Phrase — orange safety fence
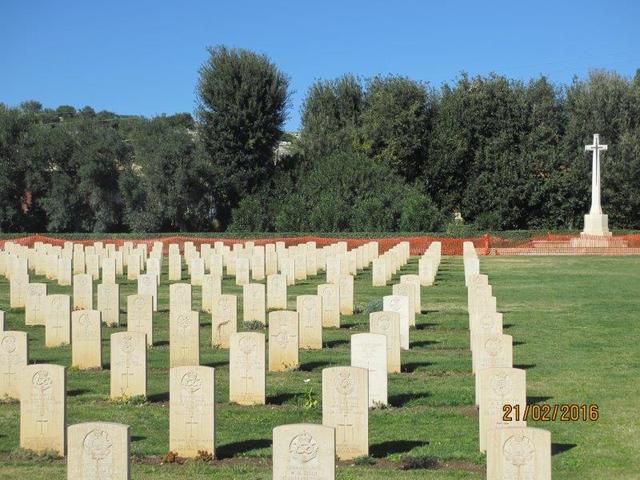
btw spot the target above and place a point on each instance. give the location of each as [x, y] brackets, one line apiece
[485, 245]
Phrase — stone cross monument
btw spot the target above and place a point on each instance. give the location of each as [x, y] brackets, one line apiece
[595, 222]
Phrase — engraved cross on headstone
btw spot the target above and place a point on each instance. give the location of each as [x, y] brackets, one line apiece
[344, 426]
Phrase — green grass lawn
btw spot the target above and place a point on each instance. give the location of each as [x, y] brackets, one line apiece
[574, 322]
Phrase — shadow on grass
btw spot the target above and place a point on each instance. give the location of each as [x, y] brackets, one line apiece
[77, 392]
[216, 364]
[402, 399]
[525, 366]
[425, 326]
[230, 450]
[310, 366]
[280, 398]
[137, 438]
[427, 311]
[335, 343]
[518, 342]
[161, 343]
[424, 343]
[384, 449]
[413, 366]
[507, 326]
[557, 448]
[158, 397]
[533, 400]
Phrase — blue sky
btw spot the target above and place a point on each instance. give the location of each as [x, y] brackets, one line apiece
[142, 57]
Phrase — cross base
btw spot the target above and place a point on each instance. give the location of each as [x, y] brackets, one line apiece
[596, 224]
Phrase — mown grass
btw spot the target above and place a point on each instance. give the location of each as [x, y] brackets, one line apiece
[575, 328]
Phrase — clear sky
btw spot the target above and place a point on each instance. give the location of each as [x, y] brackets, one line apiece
[142, 57]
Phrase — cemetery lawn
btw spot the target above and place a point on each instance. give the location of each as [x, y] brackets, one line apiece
[575, 328]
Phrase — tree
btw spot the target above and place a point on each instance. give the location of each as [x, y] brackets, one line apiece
[243, 99]
[13, 126]
[164, 188]
[331, 117]
[396, 124]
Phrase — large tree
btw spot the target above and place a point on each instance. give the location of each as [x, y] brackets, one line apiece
[396, 124]
[331, 117]
[243, 99]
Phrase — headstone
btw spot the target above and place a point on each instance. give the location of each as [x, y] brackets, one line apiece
[1, 321]
[34, 311]
[500, 387]
[175, 268]
[197, 271]
[179, 298]
[13, 357]
[330, 304]
[304, 451]
[388, 324]
[211, 290]
[118, 255]
[309, 308]
[184, 339]
[224, 320]
[345, 283]
[407, 290]
[288, 270]
[86, 339]
[17, 289]
[140, 315]
[247, 373]
[378, 273]
[276, 292]
[492, 351]
[345, 407]
[519, 453]
[109, 303]
[369, 351]
[333, 269]
[283, 340]
[400, 305]
[58, 323]
[65, 272]
[257, 265]
[242, 271]
[82, 292]
[489, 323]
[78, 259]
[154, 267]
[192, 411]
[270, 260]
[43, 408]
[133, 266]
[415, 281]
[216, 265]
[98, 451]
[147, 285]
[92, 265]
[128, 364]
[109, 270]
[253, 302]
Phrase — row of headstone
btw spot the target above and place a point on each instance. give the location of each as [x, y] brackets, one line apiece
[366, 379]
[385, 266]
[513, 450]
[97, 260]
